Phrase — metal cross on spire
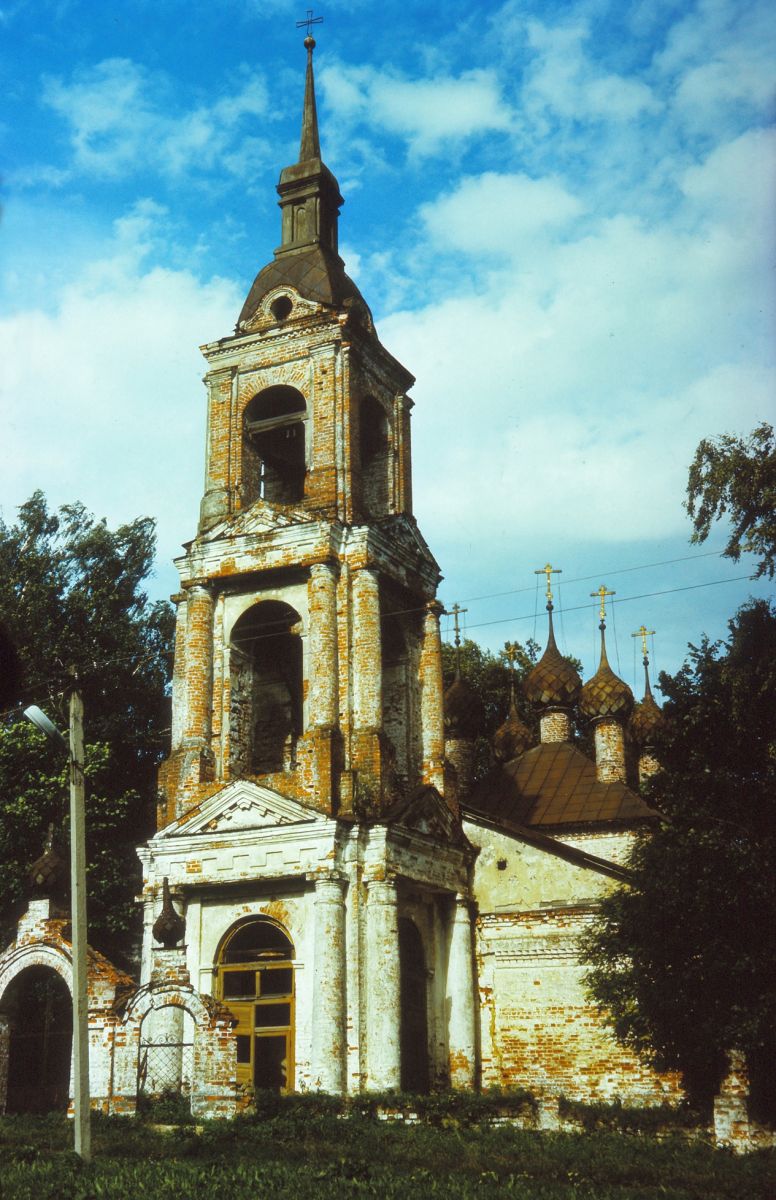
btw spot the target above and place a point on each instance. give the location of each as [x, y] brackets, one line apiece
[309, 21]
[456, 610]
[549, 571]
[602, 593]
[644, 633]
[510, 653]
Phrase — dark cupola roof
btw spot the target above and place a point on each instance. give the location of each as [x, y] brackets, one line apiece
[307, 259]
[553, 682]
[647, 717]
[513, 737]
[48, 875]
[169, 927]
[605, 695]
[463, 711]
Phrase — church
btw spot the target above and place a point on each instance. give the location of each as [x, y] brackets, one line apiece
[330, 902]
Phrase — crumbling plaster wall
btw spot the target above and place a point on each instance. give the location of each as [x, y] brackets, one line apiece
[538, 1028]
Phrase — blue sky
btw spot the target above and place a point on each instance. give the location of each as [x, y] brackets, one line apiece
[558, 212]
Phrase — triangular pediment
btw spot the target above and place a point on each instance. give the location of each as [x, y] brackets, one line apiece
[237, 807]
[428, 813]
[261, 518]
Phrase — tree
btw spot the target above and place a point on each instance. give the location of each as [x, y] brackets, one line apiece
[736, 476]
[71, 600]
[682, 959]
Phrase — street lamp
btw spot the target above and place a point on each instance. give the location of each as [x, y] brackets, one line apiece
[77, 909]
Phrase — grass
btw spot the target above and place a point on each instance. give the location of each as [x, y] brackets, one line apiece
[322, 1157]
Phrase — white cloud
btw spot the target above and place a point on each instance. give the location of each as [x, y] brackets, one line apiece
[102, 390]
[497, 214]
[123, 120]
[562, 78]
[429, 114]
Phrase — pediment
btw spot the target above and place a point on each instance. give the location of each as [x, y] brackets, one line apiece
[261, 518]
[237, 807]
[429, 814]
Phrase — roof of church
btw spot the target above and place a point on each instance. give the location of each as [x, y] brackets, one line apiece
[555, 784]
[317, 273]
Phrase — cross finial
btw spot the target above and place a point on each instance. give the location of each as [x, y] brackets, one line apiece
[602, 593]
[549, 571]
[643, 633]
[456, 610]
[309, 21]
[510, 653]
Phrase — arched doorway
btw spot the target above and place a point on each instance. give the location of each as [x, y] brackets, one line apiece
[414, 1011]
[39, 1012]
[255, 979]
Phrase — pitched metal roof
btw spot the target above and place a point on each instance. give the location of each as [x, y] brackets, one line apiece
[555, 784]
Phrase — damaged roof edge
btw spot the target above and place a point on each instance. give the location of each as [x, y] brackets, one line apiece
[542, 841]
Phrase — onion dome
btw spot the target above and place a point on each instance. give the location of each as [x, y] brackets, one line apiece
[463, 710]
[553, 682]
[168, 926]
[605, 695]
[647, 717]
[48, 875]
[512, 738]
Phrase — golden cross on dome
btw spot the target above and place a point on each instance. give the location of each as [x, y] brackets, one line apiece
[455, 610]
[643, 633]
[602, 593]
[549, 571]
[510, 653]
[309, 21]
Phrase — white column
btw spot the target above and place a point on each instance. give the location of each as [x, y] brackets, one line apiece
[329, 1031]
[384, 994]
[461, 1025]
[322, 668]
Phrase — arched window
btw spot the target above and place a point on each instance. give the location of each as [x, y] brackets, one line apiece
[266, 689]
[274, 459]
[375, 454]
[255, 979]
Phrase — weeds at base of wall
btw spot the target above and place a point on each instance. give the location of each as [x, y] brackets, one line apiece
[435, 1108]
[615, 1117]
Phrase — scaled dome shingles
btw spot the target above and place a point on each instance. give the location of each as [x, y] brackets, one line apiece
[646, 719]
[553, 682]
[605, 695]
[511, 738]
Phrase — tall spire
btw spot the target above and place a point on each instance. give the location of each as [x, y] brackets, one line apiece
[310, 146]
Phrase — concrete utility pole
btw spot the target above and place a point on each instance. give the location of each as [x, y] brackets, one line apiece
[81, 1100]
[83, 1139]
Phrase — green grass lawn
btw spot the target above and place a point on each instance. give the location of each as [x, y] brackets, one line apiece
[305, 1156]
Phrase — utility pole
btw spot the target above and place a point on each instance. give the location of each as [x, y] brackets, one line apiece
[83, 1137]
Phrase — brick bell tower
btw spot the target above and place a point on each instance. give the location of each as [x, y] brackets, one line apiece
[307, 645]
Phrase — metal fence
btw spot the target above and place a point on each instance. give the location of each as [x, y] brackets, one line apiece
[165, 1067]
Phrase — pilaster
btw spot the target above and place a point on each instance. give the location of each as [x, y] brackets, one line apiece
[432, 698]
[383, 987]
[462, 1024]
[329, 1032]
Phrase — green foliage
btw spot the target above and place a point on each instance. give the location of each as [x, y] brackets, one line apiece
[682, 959]
[621, 1118]
[737, 477]
[71, 599]
[489, 676]
[331, 1157]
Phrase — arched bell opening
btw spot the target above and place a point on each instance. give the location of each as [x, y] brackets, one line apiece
[400, 640]
[255, 979]
[375, 457]
[266, 692]
[274, 450]
[413, 978]
[38, 1012]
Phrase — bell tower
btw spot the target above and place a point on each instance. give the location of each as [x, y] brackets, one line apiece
[307, 644]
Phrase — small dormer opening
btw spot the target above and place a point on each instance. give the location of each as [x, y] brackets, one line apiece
[274, 446]
[375, 454]
[266, 689]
